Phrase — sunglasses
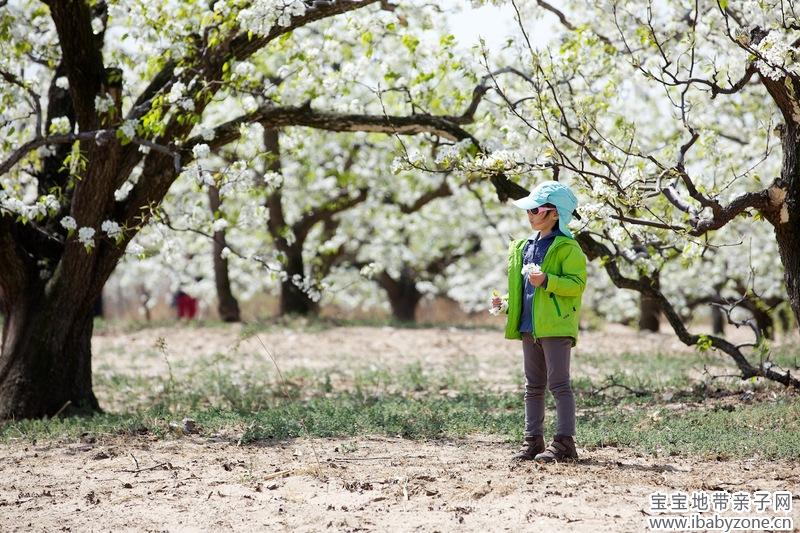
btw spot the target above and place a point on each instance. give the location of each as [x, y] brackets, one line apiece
[537, 210]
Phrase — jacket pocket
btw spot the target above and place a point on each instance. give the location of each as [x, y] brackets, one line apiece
[558, 307]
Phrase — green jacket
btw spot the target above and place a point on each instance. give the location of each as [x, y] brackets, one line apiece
[556, 307]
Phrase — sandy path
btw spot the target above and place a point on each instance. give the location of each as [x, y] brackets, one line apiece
[369, 484]
[482, 354]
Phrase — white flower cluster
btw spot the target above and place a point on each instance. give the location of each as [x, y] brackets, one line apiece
[86, 237]
[273, 179]
[177, 95]
[197, 174]
[206, 133]
[778, 53]
[692, 250]
[128, 129]
[176, 92]
[134, 249]
[263, 15]
[530, 268]
[60, 126]
[244, 70]
[201, 151]
[399, 164]
[219, 225]
[448, 156]
[249, 104]
[111, 228]
[595, 210]
[68, 223]
[123, 191]
[495, 311]
[309, 286]
[103, 104]
[500, 160]
[370, 270]
[617, 234]
[44, 205]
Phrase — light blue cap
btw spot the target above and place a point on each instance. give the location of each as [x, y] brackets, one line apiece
[552, 192]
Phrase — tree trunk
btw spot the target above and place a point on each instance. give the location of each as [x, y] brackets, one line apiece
[404, 307]
[227, 305]
[717, 321]
[649, 313]
[787, 233]
[294, 300]
[45, 362]
[785, 193]
[785, 319]
[403, 294]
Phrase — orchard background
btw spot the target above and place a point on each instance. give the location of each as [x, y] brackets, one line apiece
[330, 180]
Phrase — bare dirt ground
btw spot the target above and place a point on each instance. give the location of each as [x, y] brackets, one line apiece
[368, 484]
[484, 353]
[371, 483]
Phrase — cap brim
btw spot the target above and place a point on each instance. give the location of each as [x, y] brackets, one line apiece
[526, 203]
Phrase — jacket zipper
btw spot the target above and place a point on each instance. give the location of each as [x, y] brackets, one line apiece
[533, 315]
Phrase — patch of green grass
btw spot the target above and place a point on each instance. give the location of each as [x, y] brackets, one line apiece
[767, 429]
[105, 327]
[628, 406]
[770, 430]
[306, 324]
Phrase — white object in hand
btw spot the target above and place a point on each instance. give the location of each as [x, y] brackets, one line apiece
[503, 304]
[530, 268]
[497, 310]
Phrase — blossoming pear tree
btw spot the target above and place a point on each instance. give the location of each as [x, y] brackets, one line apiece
[103, 108]
[672, 120]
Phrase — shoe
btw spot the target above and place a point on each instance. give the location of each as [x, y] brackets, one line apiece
[561, 449]
[530, 447]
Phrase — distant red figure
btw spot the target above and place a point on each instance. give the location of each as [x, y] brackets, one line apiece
[187, 305]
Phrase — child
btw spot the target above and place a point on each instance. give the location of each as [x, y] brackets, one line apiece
[546, 278]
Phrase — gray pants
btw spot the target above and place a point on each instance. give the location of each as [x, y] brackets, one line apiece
[546, 363]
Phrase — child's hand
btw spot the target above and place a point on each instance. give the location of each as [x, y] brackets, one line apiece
[499, 305]
[537, 278]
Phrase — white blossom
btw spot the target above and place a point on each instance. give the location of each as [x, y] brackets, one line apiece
[201, 150]
[219, 225]
[123, 191]
[249, 104]
[128, 129]
[111, 228]
[206, 133]
[103, 103]
[69, 223]
[60, 125]
[86, 236]
[176, 92]
[369, 270]
[530, 268]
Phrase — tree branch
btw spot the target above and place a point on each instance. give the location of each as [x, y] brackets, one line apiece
[273, 117]
[243, 46]
[18, 154]
[595, 249]
[82, 57]
[340, 203]
[442, 191]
